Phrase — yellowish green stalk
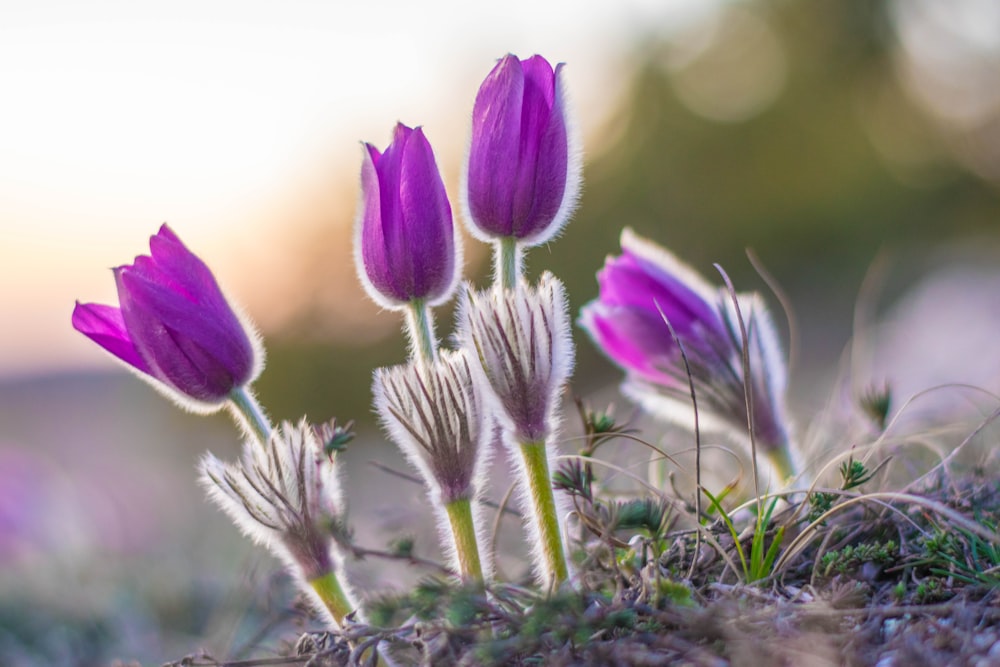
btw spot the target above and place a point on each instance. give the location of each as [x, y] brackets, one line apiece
[464, 533]
[543, 504]
[329, 590]
[781, 460]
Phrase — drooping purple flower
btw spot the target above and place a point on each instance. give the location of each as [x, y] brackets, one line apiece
[404, 244]
[523, 173]
[646, 285]
[174, 326]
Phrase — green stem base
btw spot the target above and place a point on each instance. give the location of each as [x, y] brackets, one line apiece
[330, 592]
[543, 503]
[781, 460]
[464, 533]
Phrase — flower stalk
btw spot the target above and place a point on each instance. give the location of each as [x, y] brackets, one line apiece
[420, 331]
[464, 534]
[508, 262]
[432, 410]
[249, 414]
[522, 342]
[330, 593]
[543, 505]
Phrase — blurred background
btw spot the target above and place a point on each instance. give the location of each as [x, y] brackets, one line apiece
[837, 140]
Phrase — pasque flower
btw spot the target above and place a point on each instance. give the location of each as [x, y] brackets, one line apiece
[287, 497]
[434, 413]
[522, 341]
[404, 246]
[523, 173]
[646, 285]
[174, 326]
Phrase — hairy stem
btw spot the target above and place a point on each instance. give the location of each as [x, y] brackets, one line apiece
[507, 262]
[330, 592]
[464, 533]
[543, 505]
[420, 331]
[249, 414]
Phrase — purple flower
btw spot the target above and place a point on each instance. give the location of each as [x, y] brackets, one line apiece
[404, 243]
[523, 173]
[646, 285]
[175, 327]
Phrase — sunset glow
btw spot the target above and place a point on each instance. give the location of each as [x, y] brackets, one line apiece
[234, 122]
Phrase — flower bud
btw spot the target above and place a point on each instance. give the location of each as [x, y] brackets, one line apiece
[433, 412]
[522, 178]
[174, 326]
[404, 243]
[286, 496]
[523, 342]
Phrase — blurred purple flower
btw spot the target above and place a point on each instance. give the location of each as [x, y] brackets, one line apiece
[404, 242]
[646, 285]
[523, 173]
[175, 326]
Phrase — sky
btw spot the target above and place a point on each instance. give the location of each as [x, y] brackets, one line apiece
[214, 116]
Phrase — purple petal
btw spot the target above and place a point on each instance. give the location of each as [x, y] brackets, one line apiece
[174, 324]
[203, 352]
[633, 339]
[104, 325]
[519, 163]
[184, 269]
[631, 281]
[374, 255]
[389, 168]
[430, 243]
[494, 154]
[551, 162]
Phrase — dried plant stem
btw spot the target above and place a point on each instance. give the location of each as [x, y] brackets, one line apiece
[248, 413]
[330, 592]
[464, 533]
[543, 506]
[420, 331]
